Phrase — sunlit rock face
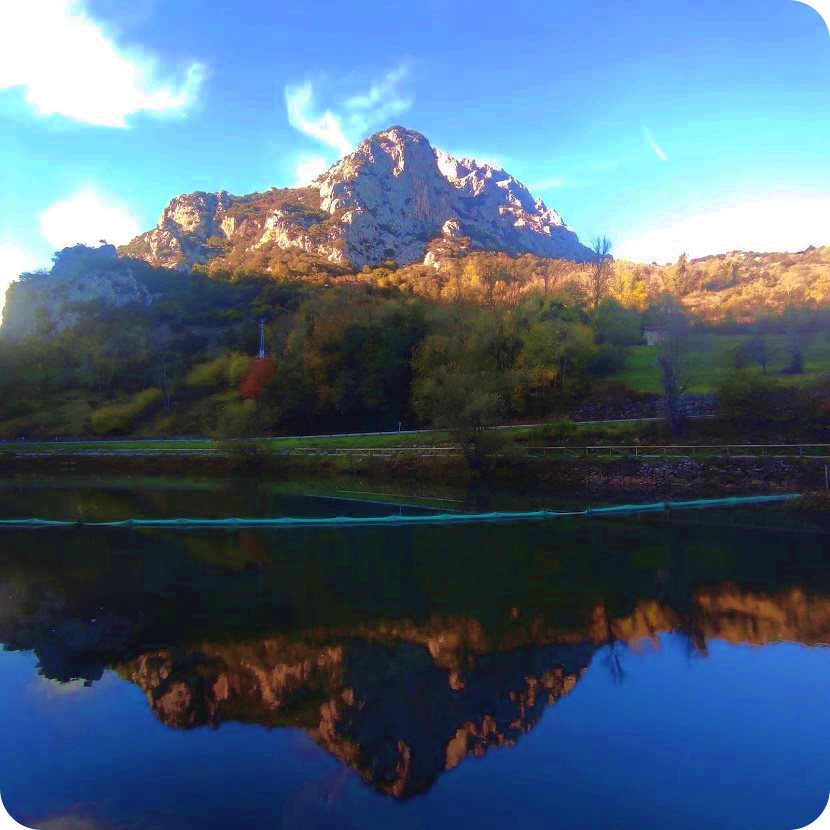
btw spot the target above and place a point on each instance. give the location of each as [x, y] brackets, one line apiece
[186, 225]
[388, 200]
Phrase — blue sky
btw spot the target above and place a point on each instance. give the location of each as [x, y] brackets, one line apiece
[672, 125]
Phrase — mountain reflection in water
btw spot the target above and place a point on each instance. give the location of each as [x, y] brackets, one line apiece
[400, 651]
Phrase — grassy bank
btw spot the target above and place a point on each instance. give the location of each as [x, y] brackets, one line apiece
[711, 358]
[510, 442]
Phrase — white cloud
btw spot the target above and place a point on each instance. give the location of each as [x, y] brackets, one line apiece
[67, 65]
[341, 127]
[87, 216]
[658, 150]
[774, 223]
[309, 168]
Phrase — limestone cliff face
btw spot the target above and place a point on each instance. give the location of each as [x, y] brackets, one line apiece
[389, 199]
[82, 278]
[186, 224]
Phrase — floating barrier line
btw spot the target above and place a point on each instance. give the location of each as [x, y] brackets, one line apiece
[395, 519]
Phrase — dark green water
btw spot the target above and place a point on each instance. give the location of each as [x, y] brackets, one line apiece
[576, 673]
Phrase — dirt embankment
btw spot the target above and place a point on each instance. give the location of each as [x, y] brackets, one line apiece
[664, 477]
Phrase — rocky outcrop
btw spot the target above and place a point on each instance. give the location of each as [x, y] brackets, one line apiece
[82, 278]
[185, 228]
[628, 407]
[649, 477]
[394, 198]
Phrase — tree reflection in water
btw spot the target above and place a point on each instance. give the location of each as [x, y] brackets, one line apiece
[401, 651]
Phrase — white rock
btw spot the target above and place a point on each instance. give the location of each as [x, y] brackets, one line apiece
[388, 199]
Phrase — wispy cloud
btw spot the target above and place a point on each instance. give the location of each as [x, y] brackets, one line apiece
[325, 126]
[382, 101]
[658, 150]
[495, 161]
[786, 222]
[68, 65]
[87, 216]
[551, 183]
[341, 126]
[308, 168]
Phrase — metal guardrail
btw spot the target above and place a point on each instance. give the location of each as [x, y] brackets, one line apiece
[636, 451]
[384, 452]
[688, 451]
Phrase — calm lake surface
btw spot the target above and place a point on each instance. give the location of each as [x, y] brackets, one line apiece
[648, 672]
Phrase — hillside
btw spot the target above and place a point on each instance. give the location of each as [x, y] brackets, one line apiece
[744, 284]
[739, 287]
[403, 286]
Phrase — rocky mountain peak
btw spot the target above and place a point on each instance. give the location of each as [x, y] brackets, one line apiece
[389, 199]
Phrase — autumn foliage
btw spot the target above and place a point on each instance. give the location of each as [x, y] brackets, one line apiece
[260, 374]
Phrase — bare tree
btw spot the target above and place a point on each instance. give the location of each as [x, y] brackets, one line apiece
[600, 268]
[674, 372]
[755, 351]
[552, 272]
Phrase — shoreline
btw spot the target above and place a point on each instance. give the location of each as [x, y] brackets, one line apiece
[660, 478]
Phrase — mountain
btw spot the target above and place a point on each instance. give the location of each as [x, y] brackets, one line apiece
[392, 199]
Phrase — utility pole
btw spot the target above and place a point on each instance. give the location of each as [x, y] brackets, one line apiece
[261, 338]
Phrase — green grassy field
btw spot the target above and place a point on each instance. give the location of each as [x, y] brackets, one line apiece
[711, 357]
[424, 439]
[563, 432]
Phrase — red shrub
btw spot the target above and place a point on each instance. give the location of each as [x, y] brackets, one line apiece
[259, 376]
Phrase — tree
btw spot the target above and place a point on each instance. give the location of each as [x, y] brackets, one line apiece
[795, 346]
[466, 404]
[600, 268]
[679, 276]
[755, 351]
[458, 388]
[751, 400]
[552, 272]
[675, 379]
[615, 324]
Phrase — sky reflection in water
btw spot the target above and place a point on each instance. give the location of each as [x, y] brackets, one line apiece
[616, 674]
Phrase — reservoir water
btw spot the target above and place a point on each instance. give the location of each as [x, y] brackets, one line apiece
[641, 672]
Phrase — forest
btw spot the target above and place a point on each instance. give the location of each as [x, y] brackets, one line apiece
[478, 341]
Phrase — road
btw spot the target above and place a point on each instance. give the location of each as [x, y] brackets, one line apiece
[199, 438]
